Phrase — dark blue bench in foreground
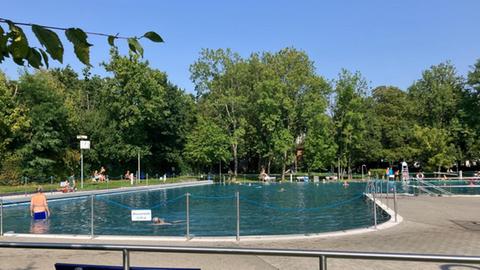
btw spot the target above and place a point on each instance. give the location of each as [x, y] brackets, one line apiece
[68, 266]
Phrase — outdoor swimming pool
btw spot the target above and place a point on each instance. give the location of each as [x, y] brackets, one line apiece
[275, 209]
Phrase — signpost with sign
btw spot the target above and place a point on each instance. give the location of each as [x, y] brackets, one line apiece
[84, 144]
[142, 215]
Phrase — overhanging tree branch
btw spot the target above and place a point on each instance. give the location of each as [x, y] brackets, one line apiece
[14, 43]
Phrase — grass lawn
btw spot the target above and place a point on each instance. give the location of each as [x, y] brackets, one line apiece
[88, 185]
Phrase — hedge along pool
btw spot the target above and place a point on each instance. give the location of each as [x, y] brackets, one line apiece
[275, 209]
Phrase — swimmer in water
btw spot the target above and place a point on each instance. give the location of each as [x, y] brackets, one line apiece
[281, 190]
[345, 184]
[160, 221]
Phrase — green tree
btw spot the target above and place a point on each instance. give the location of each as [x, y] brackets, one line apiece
[218, 76]
[436, 99]
[435, 147]
[394, 122]
[207, 144]
[349, 119]
[469, 114]
[45, 148]
[319, 144]
[436, 96]
[14, 125]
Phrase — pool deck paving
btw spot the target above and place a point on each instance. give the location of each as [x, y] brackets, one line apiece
[431, 225]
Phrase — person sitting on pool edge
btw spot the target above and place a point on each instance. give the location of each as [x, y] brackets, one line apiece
[38, 205]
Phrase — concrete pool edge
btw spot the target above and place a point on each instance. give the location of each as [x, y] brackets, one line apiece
[385, 225]
[123, 190]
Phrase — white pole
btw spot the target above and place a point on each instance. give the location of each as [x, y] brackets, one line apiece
[81, 167]
[138, 166]
[237, 194]
[188, 215]
[374, 209]
[395, 202]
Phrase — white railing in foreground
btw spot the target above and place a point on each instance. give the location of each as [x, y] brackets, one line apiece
[322, 255]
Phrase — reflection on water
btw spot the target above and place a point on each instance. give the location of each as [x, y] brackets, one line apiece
[39, 226]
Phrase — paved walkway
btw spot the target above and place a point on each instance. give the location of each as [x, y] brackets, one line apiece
[433, 225]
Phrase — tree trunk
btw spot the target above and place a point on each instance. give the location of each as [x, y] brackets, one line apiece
[349, 167]
[338, 168]
[269, 163]
[284, 165]
[220, 170]
[235, 161]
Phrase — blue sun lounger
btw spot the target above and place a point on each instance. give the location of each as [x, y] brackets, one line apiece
[69, 266]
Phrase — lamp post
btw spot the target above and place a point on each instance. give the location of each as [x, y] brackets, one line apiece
[84, 144]
[363, 165]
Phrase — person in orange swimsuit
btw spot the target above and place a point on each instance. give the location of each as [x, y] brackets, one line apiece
[38, 205]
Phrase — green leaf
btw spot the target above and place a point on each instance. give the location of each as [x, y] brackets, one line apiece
[77, 36]
[19, 44]
[135, 46]
[111, 40]
[34, 58]
[18, 61]
[50, 41]
[3, 44]
[153, 36]
[83, 54]
[45, 57]
[80, 44]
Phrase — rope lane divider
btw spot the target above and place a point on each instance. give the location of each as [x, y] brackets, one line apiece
[133, 208]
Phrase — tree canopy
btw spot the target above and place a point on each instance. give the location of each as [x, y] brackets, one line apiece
[268, 109]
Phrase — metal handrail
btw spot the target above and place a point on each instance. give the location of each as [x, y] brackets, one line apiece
[321, 254]
[430, 185]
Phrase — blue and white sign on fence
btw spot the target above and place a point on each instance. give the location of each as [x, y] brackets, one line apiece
[142, 215]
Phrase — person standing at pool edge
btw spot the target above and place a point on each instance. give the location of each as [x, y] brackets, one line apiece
[38, 205]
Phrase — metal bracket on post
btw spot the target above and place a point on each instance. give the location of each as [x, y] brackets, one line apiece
[91, 218]
[1, 217]
[386, 198]
[237, 195]
[187, 195]
[126, 259]
[395, 202]
[322, 263]
[374, 209]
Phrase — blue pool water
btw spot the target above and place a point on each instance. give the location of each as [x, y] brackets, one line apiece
[275, 209]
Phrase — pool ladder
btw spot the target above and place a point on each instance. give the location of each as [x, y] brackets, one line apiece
[427, 185]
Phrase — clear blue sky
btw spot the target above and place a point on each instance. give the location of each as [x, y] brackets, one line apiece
[390, 42]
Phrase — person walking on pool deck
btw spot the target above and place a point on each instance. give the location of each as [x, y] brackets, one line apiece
[39, 206]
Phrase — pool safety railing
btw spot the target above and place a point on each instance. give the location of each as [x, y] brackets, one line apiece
[377, 189]
[321, 255]
[429, 188]
[432, 186]
[236, 199]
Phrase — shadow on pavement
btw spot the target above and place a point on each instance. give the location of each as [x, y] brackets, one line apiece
[458, 266]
